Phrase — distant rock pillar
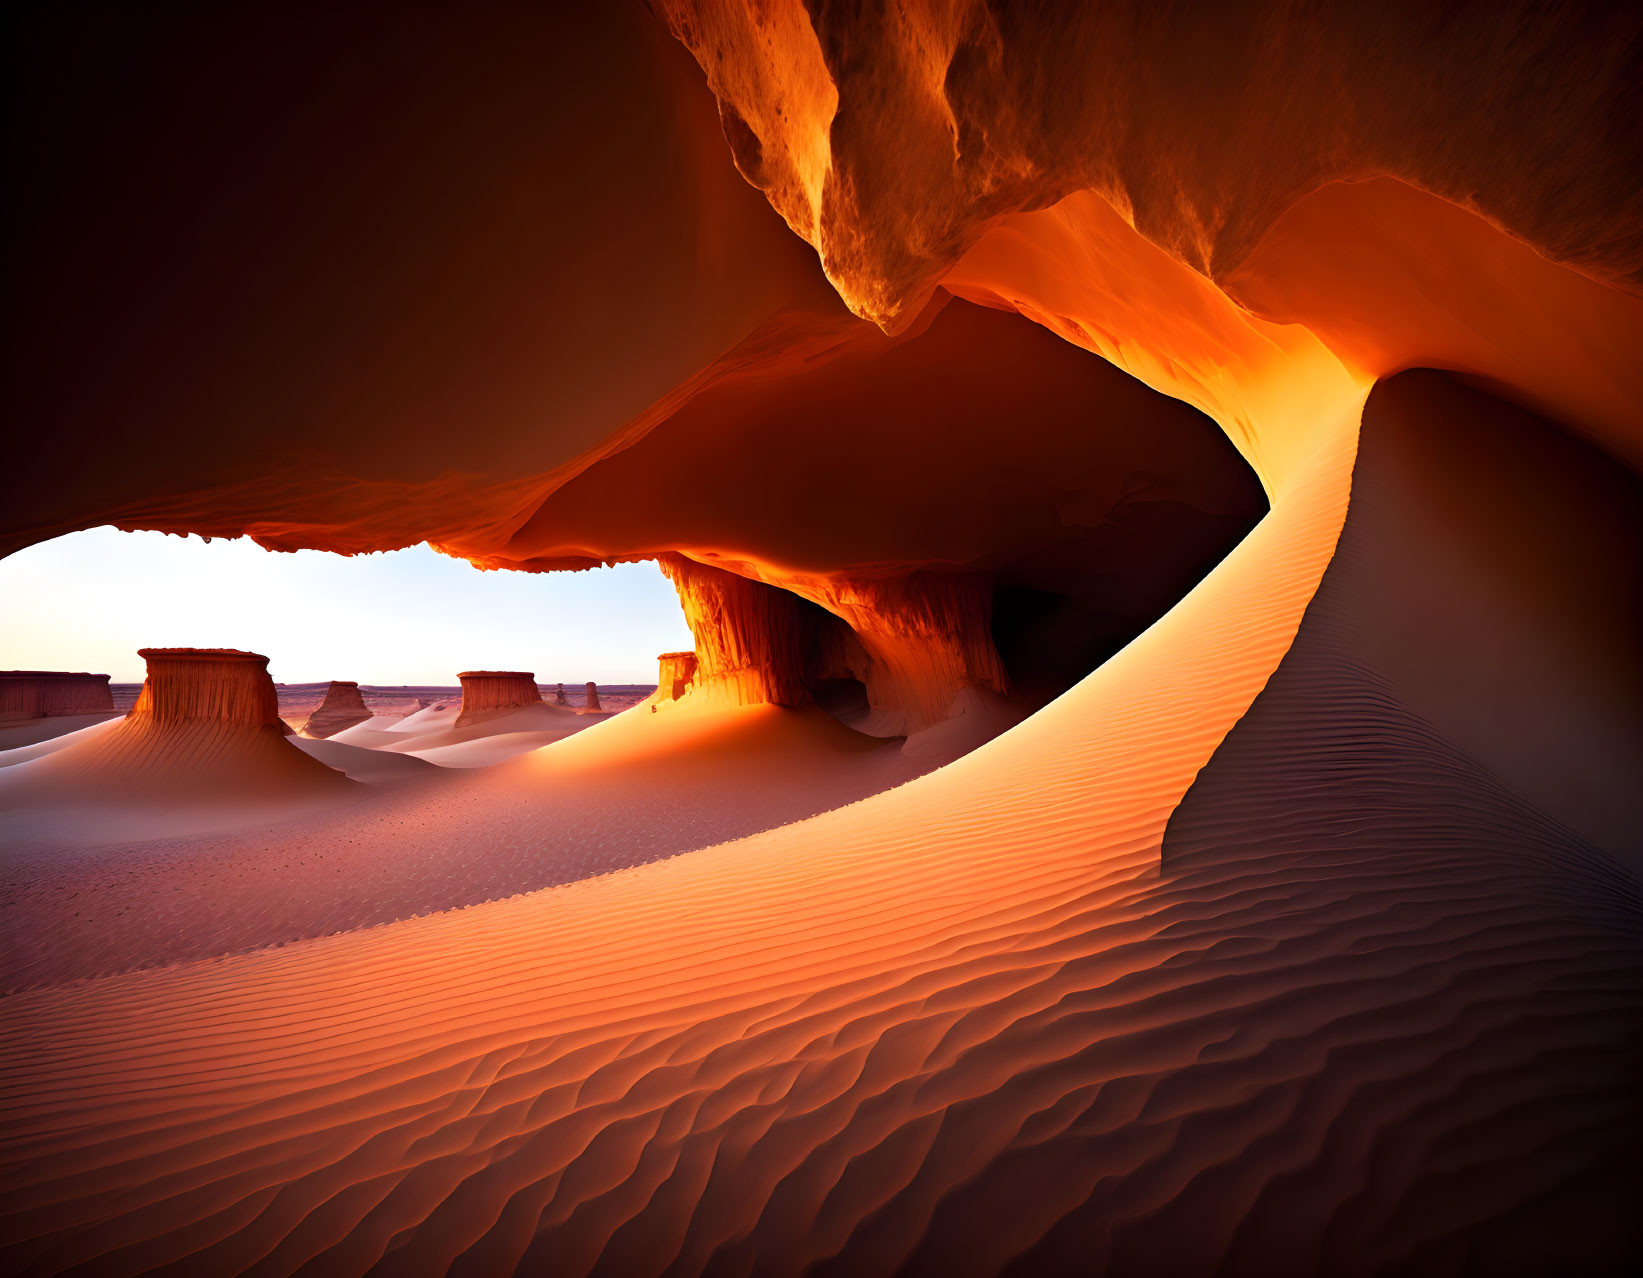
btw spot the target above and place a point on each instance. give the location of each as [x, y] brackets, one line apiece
[593, 695]
[342, 708]
[488, 693]
[33, 694]
[676, 671]
[559, 696]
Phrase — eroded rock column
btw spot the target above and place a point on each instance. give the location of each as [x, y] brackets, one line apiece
[927, 638]
[206, 727]
[34, 694]
[342, 708]
[751, 641]
[675, 673]
[223, 685]
[488, 693]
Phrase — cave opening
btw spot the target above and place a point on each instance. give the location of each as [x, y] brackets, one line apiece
[1057, 618]
[1076, 572]
[975, 506]
[346, 636]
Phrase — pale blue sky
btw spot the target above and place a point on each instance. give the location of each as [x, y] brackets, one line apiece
[89, 600]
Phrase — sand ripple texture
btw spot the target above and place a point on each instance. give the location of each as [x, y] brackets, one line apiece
[966, 1027]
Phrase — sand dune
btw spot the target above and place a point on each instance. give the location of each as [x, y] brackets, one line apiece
[422, 720]
[38, 737]
[482, 752]
[28, 732]
[441, 737]
[360, 764]
[204, 748]
[545, 722]
[635, 789]
[589, 1052]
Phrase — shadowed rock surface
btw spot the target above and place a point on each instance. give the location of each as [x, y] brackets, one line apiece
[32, 694]
[343, 707]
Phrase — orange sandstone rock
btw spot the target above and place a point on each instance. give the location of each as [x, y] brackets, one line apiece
[751, 639]
[1077, 513]
[342, 708]
[32, 694]
[1260, 212]
[591, 697]
[675, 673]
[205, 728]
[488, 693]
[890, 144]
[222, 685]
[915, 642]
[542, 271]
[927, 638]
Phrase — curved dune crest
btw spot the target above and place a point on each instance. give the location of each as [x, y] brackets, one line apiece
[359, 763]
[76, 728]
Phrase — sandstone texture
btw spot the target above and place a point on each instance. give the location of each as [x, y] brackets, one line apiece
[675, 673]
[487, 693]
[342, 708]
[32, 694]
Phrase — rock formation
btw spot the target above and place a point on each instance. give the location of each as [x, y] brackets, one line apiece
[751, 639]
[206, 727]
[488, 693]
[32, 694]
[675, 673]
[591, 697]
[1146, 496]
[342, 708]
[927, 638]
[219, 685]
[238, 247]
[559, 695]
[841, 116]
[1112, 224]
[915, 642]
